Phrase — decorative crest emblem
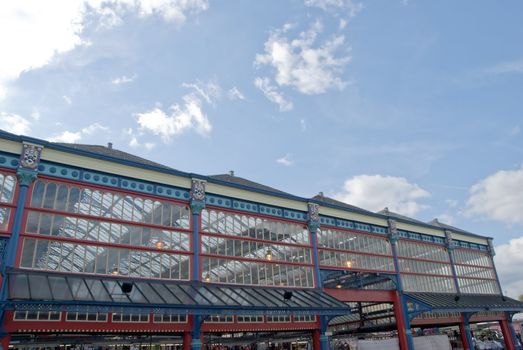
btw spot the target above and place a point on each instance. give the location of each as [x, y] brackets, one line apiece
[198, 190]
[30, 157]
[314, 212]
[393, 230]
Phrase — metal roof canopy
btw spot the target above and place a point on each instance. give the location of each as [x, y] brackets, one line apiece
[471, 303]
[49, 291]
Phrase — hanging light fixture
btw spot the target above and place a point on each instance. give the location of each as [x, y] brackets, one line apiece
[159, 245]
[207, 278]
[115, 271]
[348, 263]
[268, 255]
[338, 284]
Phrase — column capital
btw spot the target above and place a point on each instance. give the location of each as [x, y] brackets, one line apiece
[197, 195]
[26, 176]
[313, 216]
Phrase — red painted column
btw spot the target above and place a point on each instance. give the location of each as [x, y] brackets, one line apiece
[187, 338]
[6, 339]
[463, 335]
[316, 345]
[400, 322]
[507, 335]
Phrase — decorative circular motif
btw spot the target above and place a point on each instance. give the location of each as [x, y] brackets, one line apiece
[63, 172]
[96, 178]
[2, 160]
[52, 170]
[87, 176]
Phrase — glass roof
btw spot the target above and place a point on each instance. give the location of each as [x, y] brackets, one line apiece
[54, 291]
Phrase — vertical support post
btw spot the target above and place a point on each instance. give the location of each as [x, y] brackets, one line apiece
[314, 225]
[196, 342]
[400, 322]
[26, 174]
[510, 341]
[186, 345]
[4, 341]
[400, 306]
[316, 345]
[465, 333]
[197, 205]
[450, 251]
[517, 344]
[324, 338]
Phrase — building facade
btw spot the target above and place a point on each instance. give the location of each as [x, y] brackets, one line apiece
[97, 241]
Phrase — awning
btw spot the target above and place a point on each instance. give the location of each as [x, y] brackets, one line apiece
[439, 302]
[29, 290]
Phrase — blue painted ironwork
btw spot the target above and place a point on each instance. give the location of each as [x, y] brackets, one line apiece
[3, 249]
[324, 338]
[314, 225]
[197, 205]
[196, 343]
[468, 332]
[450, 251]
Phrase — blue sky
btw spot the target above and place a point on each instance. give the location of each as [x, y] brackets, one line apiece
[413, 105]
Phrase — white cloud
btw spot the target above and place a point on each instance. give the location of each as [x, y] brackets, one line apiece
[182, 118]
[498, 197]
[375, 192]
[271, 92]
[507, 67]
[209, 91]
[35, 114]
[343, 24]
[95, 127]
[47, 28]
[14, 123]
[446, 219]
[235, 94]
[508, 262]
[301, 64]
[67, 99]
[73, 137]
[134, 143]
[303, 124]
[67, 137]
[123, 80]
[335, 5]
[285, 160]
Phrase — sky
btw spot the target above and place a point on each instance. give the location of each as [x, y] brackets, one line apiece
[407, 104]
